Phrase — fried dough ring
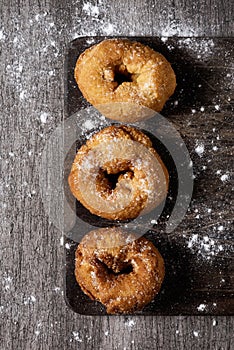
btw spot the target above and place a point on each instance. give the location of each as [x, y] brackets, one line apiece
[121, 271]
[125, 80]
[123, 152]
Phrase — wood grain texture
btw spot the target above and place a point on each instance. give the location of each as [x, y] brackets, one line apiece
[33, 38]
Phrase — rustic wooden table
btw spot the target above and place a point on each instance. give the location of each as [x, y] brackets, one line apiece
[33, 38]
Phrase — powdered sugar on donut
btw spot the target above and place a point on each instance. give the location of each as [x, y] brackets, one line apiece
[142, 181]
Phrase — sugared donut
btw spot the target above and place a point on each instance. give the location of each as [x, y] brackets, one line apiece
[121, 271]
[125, 80]
[118, 175]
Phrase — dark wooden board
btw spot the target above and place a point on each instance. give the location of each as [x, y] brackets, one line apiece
[202, 103]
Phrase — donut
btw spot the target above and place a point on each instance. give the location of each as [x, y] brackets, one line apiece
[127, 81]
[118, 175]
[118, 269]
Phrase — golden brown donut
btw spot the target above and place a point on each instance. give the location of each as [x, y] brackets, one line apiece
[118, 269]
[125, 80]
[118, 175]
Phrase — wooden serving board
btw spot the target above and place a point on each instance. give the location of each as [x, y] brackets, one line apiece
[199, 253]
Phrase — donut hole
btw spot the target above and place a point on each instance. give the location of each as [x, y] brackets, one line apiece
[122, 75]
[107, 180]
[113, 179]
[125, 269]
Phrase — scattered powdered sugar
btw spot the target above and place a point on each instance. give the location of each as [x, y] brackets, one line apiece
[57, 289]
[7, 282]
[43, 117]
[29, 300]
[89, 121]
[92, 21]
[179, 29]
[62, 240]
[22, 95]
[202, 47]
[88, 125]
[130, 323]
[76, 337]
[214, 323]
[201, 307]
[2, 35]
[108, 29]
[204, 246]
[32, 298]
[38, 329]
[199, 148]
[67, 246]
[224, 177]
[90, 9]
[90, 41]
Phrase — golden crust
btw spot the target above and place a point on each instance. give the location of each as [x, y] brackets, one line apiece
[118, 269]
[141, 179]
[150, 77]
